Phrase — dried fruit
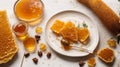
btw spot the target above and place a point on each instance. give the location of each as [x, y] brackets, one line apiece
[40, 53]
[49, 55]
[43, 47]
[91, 62]
[37, 37]
[35, 60]
[27, 55]
[81, 63]
[111, 43]
[38, 30]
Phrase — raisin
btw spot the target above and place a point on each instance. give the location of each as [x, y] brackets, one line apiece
[81, 63]
[35, 60]
[27, 55]
[37, 37]
[48, 55]
[40, 53]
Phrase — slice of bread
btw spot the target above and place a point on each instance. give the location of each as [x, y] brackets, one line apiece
[106, 54]
[83, 34]
[57, 26]
[69, 32]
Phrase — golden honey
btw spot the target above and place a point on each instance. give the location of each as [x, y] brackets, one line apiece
[111, 43]
[43, 47]
[91, 62]
[20, 30]
[30, 44]
[38, 30]
[29, 10]
[106, 54]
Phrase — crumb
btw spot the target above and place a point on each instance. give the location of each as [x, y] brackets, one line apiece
[37, 37]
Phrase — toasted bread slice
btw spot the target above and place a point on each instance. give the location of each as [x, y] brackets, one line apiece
[57, 26]
[106, 54]
[7, 41]
[69, 32]
[83, 34]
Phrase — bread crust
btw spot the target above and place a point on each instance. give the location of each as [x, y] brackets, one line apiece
[105, 13]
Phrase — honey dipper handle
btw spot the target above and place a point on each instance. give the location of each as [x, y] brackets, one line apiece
[106, 14]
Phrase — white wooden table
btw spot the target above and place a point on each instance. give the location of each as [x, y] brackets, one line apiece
[57, 60]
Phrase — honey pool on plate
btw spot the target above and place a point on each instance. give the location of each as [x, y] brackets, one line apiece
[30, 11]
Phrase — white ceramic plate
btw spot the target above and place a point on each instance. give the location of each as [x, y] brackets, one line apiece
[77, 18]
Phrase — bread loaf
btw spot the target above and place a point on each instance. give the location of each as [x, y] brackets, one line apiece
[106, 14]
